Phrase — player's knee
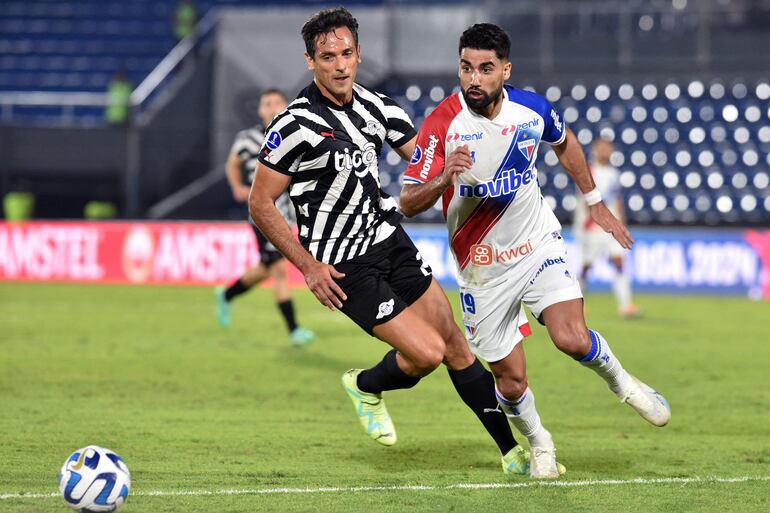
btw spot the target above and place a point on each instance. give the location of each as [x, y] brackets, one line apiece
[572, 339]
[512, 387]
[431, 354]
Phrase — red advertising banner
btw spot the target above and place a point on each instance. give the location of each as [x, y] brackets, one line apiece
[126, 252]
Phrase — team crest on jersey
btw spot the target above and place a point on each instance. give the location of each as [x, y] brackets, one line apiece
[273, 140]
[526, 147]
[416, 155]
[372, 127]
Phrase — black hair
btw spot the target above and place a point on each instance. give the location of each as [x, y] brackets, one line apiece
[486, 36]
[273, 90]
[326, 21]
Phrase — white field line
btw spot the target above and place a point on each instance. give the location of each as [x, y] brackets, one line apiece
[420, 488]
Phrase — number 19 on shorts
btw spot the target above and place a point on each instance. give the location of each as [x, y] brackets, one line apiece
[467, 303]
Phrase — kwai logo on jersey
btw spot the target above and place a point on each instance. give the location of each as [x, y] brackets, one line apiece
[485, 254]
[456, 136]
[273, 140]
[429, 152]
[526, 147]
[360, 161]
[416, 155]
[509, 182]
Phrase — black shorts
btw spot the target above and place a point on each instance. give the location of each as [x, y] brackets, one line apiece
[268, 255]
[383, 282]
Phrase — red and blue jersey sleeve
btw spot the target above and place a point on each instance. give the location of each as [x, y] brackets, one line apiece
[430, 152]
[554, 129]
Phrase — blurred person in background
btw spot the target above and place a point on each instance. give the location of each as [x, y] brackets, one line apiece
[594, 242]
[185, 16]
[118, 99]
[240, 171]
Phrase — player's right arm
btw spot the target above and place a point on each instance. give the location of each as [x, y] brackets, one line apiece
[419, 197]
[233, 172]
[278, 161]
[268, 185]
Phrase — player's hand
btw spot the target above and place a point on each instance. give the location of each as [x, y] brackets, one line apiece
[241, 193]
[458, 162]
[320, 280]
[604, 218]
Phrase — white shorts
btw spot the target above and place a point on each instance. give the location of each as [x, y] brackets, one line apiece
[595, 244]
[493, 315]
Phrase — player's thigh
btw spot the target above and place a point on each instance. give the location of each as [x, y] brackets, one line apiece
[548, 280]
[493, 319]
[417, 341]
[433, 306]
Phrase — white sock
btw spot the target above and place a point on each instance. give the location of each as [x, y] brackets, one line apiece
[621, 286]
[524, 417]
[602, 361]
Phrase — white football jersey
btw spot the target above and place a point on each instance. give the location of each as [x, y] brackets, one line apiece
[495, 213]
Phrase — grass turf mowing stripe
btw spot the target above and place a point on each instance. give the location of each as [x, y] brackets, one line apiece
[418, 488]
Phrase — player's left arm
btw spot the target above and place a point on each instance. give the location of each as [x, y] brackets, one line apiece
[571, 157]
[405, 151]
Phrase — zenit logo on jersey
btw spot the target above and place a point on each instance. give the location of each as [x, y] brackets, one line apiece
[455, 137]
[509, 182]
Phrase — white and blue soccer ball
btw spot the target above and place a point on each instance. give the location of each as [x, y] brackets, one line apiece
[94, 479]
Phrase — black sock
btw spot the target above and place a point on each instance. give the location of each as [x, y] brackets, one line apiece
[476, 387]
[236, 289]
[287, 310]
[386, 375]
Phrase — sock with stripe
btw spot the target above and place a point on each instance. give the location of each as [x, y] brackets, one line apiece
[602, 361]
[523, 415]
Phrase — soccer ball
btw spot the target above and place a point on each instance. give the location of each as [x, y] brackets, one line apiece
[94, 479]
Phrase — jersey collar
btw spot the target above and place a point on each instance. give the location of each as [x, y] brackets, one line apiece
[319, 97]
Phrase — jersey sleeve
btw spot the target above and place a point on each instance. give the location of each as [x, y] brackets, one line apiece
[284, 145]
[555, 130]
[247, 145]
[427, 161]
[399, 127]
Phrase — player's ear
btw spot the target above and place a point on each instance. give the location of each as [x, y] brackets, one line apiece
[507, 70]
[310, 62]
[358, 51]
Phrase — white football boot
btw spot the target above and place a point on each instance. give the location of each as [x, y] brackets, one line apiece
[652, 406]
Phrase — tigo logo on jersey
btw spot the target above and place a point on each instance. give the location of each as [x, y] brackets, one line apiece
[429, 152]
[354, 161]
[508, 183]
[416, 155]
[273, 140]
[453, 137]
[484, 254]
[526, 147]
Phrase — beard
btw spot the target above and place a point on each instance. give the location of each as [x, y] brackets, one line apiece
[483, 101]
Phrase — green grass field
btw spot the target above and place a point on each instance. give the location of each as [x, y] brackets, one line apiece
[243, 421]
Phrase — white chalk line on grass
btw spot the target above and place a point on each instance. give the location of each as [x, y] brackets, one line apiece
[421, 488]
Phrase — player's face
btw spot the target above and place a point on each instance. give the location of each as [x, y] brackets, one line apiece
[335, 63]
[270, 105]
[481, 77]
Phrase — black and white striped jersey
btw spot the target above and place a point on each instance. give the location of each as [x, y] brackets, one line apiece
[246, 146]
[331, 153]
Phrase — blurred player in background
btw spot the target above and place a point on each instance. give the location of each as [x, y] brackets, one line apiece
[240, 170]
[594, 242]
[478, 149]
[353, 252]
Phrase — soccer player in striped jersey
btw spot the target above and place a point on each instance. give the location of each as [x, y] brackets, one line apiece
[240, 169]
[478, 149]
[324, 148]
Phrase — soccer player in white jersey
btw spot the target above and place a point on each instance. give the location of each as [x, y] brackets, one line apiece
[477, 149]
[594, 241]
